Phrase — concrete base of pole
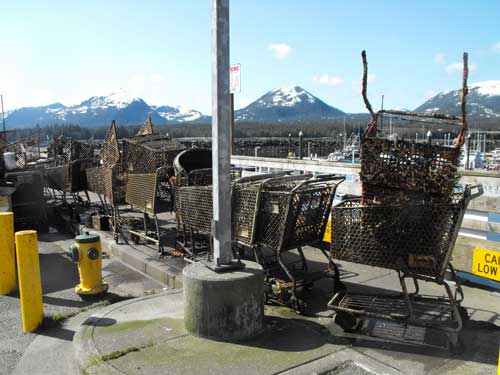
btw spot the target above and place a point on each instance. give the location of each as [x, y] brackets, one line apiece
[224, 306]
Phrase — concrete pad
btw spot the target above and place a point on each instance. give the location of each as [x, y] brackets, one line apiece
[150, 330]
[147, 336]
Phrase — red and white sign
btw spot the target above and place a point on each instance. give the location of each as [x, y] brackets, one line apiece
[235, 78]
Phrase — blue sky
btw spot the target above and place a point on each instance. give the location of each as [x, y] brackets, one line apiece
[160, 50]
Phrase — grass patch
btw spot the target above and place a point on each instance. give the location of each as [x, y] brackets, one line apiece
[57, 319]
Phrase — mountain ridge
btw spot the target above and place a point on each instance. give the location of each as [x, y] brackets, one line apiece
[289, 104]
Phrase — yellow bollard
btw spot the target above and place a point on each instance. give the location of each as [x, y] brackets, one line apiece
[7, 254]
[30, 283]
[87, 252]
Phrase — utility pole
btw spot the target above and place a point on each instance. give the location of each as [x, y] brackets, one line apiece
[231, 123]
[3, 114]
[390, 126]
[301, 138]
[345, 135]
[221, 137]
[382, 117]
[467, 162]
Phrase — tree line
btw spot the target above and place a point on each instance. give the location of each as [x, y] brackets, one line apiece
[311, 129]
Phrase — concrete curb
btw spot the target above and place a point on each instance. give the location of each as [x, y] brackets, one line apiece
[145, 261]
[86, 354]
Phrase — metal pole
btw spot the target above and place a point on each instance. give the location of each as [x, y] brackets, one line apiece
[221, 138]
[345, 135]
[3, 114]
[231, 123]
[429, 137]
[309, 149]
[467, 165]
[301, 135]
[289, 143]
[382, 117]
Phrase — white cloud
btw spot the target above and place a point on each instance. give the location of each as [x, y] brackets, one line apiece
[280, 50]
[440, 58]
[371, 77]
[328, 80]
[458, 67]
[495, 47]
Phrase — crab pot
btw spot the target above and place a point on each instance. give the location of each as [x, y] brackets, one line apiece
[294, 210]
[28, 203]
[95, 180]
[151, 192]
[190, 161]
[70, 177]
[145, 154]
[115, 178]
[407, 171]
[71, 150]
[415, 238]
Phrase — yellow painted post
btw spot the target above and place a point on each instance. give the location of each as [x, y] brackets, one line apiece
[7, 255]
[30, 283]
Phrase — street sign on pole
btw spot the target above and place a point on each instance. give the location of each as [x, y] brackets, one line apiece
[235, 78]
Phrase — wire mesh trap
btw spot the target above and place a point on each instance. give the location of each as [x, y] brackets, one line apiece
[274, 211]
[147, 153]
[293, 212]
[153, 194]
[95, 180]
[28, 202]
[70, 177]
[407, 220]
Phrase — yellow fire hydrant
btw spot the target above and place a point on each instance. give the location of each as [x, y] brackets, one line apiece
[87, 252]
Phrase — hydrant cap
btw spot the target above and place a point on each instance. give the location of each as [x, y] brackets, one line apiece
[87, 238]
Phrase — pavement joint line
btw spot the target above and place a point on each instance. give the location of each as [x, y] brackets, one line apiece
[448, 360]
[377, 360]
[311, 360]
[375, 278]
[141, 273]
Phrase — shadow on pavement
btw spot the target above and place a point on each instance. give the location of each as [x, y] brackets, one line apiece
[58, 333]
[58, 272]
[479, 338]
[95, 321]
[289, 335]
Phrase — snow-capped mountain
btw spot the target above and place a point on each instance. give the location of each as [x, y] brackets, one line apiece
[483, 101]
[100, 110]
[287, 104]
[178, 113]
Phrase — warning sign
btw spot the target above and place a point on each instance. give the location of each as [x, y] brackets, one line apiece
[235, 79]
[486, 263]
